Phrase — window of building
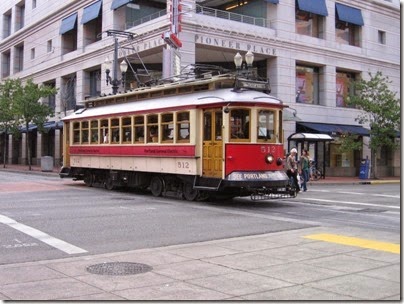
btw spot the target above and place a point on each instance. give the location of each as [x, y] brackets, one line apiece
[381, 37]
[50, 100]
[138, 129]
[307, 84]
[49, 46]
[5, 64]
[183, 127]
[95, 83]
[94, 132]
[348, 24]
[239, 124]
[68, 92]
[7, 24]
[92, 22]
[19, 15]
[33, 4]
[19, 58]
[152, 128]
[68, 30]
[310, 17]
[266, 125]
[32, 53]
[344, 87]
[127, 130]
[167, 127]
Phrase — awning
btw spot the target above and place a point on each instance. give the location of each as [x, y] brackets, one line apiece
[118, 3]
[31, 127]
[91, 12]
[68, 24]
[317, 7]
[349, 14]
[333, 128]
[272, 1]
[52, 125]
[310, 137]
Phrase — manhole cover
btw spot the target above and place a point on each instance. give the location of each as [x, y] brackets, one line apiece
[118, 268]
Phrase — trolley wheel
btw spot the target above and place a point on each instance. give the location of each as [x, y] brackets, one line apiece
[190, 194]
[88, 178]
[109, 183]
[156, 186]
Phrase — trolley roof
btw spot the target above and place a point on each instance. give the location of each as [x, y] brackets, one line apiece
[154, 99]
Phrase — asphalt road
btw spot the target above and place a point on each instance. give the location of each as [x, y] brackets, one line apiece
[44, 217]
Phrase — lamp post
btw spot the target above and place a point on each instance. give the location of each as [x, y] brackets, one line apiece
[238, 61]
[114, 81]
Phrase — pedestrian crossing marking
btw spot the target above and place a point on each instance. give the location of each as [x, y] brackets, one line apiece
[357, 242]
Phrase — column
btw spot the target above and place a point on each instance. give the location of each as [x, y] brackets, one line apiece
[24, 160]
[38, 149]
[327, 92]
[10, 149]
[58, 153]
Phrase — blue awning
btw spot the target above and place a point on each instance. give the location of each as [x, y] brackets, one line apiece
[317, 7]
[91, 12]
[349, 14]
[272, 1]
[118, 3]
[68, 24]
[332, 128]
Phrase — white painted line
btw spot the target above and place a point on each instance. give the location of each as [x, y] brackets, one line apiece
[41, 236]
[385, 195]
[349, 203]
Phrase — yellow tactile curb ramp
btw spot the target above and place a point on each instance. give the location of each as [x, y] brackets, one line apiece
[357, 242]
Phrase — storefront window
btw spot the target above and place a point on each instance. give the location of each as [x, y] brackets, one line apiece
[344, 87]
[307, 85]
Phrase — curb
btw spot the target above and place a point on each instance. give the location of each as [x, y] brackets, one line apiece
[376, 182]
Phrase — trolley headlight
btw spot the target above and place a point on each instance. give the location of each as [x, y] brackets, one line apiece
[279, 161]
[269, 159]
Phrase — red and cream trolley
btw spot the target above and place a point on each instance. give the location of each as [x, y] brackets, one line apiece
[215, 137]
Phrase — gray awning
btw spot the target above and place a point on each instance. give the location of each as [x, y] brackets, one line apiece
[272, 1]
[91, 12]
[349, 14]
[310, 137]
[118, 3]
[68, 24]
[317, 7]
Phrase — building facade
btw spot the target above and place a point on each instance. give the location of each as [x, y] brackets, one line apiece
[310, 50]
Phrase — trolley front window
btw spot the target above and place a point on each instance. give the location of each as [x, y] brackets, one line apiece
[239, 124]
[183, 127]
[266, 125]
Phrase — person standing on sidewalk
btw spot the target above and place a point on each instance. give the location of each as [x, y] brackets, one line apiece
[305, 164]
[291, 167]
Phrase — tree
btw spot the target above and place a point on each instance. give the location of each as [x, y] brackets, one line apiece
[8, 121]
[26, 102]
[380, 109]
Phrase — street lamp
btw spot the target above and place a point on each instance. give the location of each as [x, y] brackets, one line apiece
[114, 81]
[238, 61]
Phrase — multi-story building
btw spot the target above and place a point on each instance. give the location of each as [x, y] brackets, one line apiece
[311, 50]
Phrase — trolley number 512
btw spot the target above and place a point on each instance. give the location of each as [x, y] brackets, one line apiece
[183, 165]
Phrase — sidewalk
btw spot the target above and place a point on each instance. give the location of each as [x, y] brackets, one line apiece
[326, 180]
[278, 266]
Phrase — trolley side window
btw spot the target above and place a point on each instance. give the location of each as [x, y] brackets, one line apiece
[183, 127]
[266, 125]
[167, 127]
[76, 133]
[105, 131]
[138, 129]
[94, 132]
[127, 130]
[115, 131]
[207, 125]
[152, 128]
[239, 124]
[84, 132]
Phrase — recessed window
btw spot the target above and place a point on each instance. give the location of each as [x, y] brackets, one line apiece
[49, 46]
[32, 53]
[382, 37]
[307, 84]
[33, 4]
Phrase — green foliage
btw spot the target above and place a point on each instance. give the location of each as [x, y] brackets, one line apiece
[20, 105]
[380, 109]
[349, 143]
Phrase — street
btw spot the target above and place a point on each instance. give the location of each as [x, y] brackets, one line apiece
[332, 242]
[99, 221]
